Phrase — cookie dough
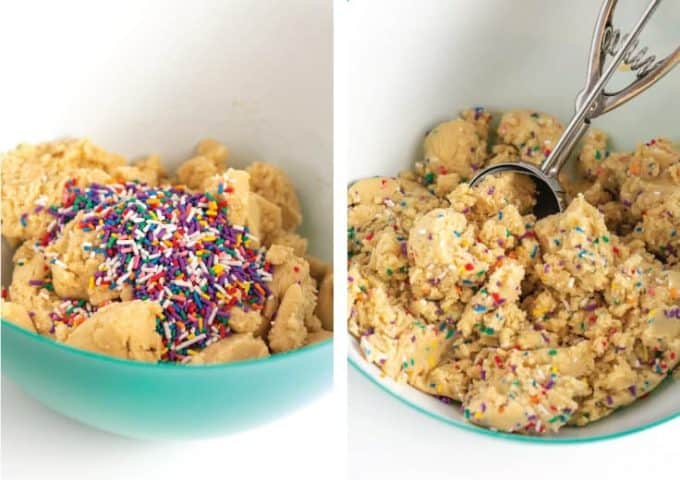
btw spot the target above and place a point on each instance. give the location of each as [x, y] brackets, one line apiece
[120, 259]
[531, 325]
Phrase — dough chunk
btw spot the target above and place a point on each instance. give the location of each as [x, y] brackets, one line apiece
[533, 133]
[148, 170]
[273, 184]
[34, 178]
[210, 161]
[288, 331]
[247, 322]
[124, 330]
[231, 187]
[316, 337]
[577, 249]
[73, 262]
[453, 147]
[324, 306]
[289, 269]
[240, 346]
[17, 314]
[529, 391]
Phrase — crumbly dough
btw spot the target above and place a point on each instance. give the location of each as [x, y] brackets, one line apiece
[324, 307]
[124, 330]
[530, 325]
[33, 178]
[57, 287]
[273, 184]
[210, 160]
[17, 314]
[533, 134]
[288, 331]
[240, 346]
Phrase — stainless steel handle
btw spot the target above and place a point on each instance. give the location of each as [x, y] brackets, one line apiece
[593, 101]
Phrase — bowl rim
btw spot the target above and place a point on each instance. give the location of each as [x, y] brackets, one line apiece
[276, 358]
[543, 440]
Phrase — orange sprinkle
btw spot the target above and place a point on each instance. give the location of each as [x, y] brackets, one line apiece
[635, 168]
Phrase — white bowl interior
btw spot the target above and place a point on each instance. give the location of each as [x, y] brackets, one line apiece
[427, 60]
[156, 77]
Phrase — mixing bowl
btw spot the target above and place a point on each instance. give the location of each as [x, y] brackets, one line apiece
[427, 60]
[155, 77]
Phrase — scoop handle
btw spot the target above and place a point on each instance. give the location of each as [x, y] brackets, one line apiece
[590, 100]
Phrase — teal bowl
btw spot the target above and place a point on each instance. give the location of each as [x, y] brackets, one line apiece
[163, 401]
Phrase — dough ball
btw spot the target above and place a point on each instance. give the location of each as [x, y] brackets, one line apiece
[453, 147]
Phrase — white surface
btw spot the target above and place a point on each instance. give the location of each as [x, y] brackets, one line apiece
[427, 60]
[38, 443]
[157, 76]
[390, 440]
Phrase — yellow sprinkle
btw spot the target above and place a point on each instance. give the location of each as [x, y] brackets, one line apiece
[431, 361]
[554, 370]
[478, 415]
[91, 284]
[440, 389]
[191, 352]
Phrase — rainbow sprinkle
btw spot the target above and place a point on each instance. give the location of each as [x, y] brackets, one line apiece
[171, 246]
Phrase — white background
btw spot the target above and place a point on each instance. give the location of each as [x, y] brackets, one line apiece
[38, 443]
[387, 439]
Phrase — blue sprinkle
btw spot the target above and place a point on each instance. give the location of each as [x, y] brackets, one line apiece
[479, 308]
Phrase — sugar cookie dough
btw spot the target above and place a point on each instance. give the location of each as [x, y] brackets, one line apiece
[124, 260]
[530, 325]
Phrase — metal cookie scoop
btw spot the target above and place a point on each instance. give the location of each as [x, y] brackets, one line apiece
[593, 101]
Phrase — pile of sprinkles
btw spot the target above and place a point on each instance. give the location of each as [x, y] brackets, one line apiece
[168, 245]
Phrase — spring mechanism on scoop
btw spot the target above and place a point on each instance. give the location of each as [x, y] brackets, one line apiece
[635, 59]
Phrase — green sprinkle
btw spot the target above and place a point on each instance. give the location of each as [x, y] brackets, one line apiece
[598, 155]
[429, 178]
[552, 351]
